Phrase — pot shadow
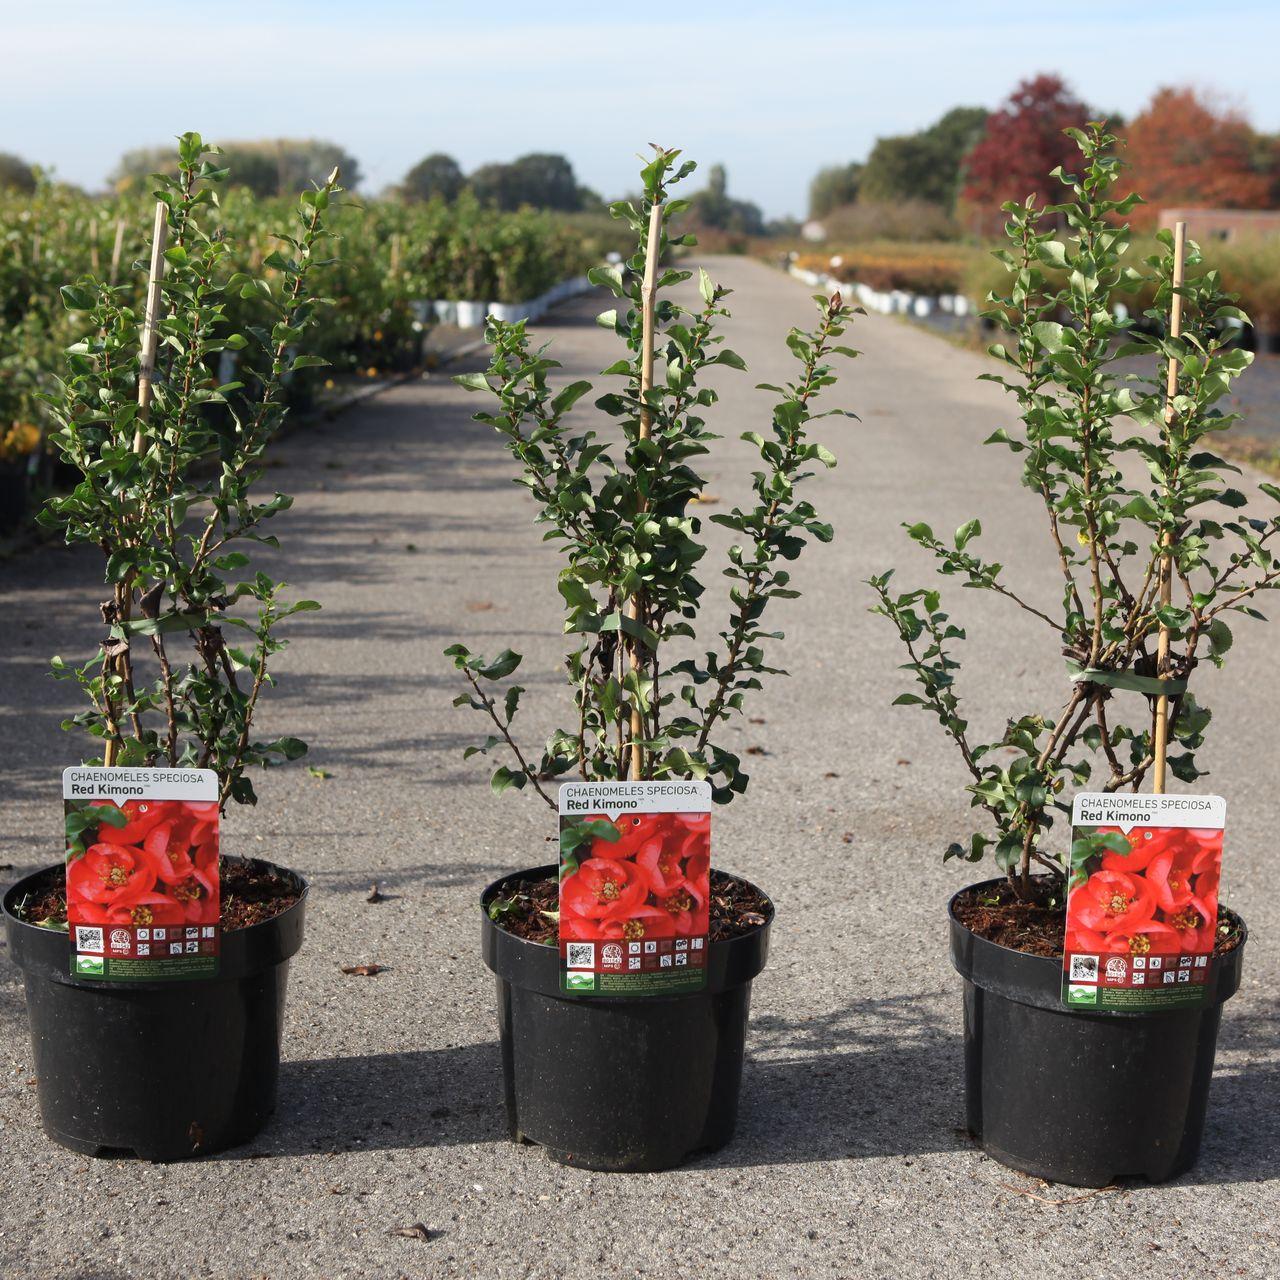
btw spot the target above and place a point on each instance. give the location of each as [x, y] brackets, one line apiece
[877, 1078]
[1242, 1128]
[880, 1078]
[384, 1102]
[857, 1082]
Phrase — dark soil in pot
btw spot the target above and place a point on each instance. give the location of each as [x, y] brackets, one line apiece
[251, 891]
[1073, 1096]
[527, 908]
[1036, 925]
[621, 1084]
[160, 1070]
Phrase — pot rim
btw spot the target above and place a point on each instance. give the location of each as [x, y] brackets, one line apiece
[552, 868]
[1037, 980]
[1057, 960]
[45, 953]
[731, 962]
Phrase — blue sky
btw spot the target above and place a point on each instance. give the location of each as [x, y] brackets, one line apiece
[774, 91]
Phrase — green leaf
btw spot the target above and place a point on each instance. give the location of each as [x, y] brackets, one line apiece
[567, 398]
[504, 779]
[1131, 680]
[1050, 335]
[630, 626]
[503, 665]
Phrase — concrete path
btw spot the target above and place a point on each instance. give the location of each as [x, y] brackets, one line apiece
[850, 1159]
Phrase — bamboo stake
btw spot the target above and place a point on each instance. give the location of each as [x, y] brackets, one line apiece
[648, 306]
[146, 372]
[147, 356]
[116, 251]
[1161, 745]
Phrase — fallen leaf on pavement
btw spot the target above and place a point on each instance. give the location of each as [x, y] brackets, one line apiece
[416, 1232]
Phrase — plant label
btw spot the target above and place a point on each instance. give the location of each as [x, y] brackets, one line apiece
[635, 886]
[1142, 904]
[142, 872]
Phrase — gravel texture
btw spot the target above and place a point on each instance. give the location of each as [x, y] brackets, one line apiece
[850, 1158]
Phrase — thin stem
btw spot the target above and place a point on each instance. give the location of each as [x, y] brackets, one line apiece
[488, 704]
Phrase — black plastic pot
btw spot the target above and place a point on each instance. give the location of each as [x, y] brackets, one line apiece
[1075, 1097]
[622, 1085]
[159, 1070]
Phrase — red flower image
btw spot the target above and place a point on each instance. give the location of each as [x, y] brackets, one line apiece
[601, 890]
[110, 875]
[654, 881]
[159, 868]
[1161, 897]
[143, 815]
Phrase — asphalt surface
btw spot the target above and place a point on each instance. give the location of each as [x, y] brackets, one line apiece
[850, 1158]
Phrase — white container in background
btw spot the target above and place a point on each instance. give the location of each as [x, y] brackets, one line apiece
[922, 306]
[446, 311]
[470, 315]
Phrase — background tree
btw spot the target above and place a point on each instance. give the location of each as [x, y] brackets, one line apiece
[267, 166]
[1022, 144]
[833, 188]
[541, 180]
[925, 165]
[1181, 151]
[16, 174]
[437, 175]
[493, 184]
[714, 207]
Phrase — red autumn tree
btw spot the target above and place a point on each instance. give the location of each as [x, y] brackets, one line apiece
[1023, 143]
[1181, 151]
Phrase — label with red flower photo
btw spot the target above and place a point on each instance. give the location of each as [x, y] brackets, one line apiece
[1142, 904]
[142, 872]
[635, 885]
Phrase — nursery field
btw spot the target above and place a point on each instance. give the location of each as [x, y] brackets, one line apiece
[850, 1157]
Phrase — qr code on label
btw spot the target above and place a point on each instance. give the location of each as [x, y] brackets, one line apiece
[88, 939]
[582, 955]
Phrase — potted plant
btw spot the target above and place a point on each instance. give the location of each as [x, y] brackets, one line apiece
[1147, 572]
[167, 465]
[622, 510]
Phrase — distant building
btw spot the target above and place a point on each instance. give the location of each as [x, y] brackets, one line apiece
[1224, 225]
